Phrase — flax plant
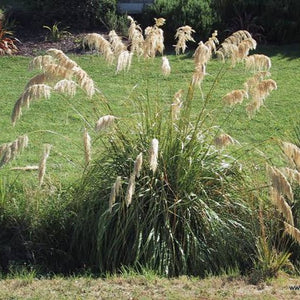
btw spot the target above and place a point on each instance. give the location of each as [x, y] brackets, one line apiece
[181, 204]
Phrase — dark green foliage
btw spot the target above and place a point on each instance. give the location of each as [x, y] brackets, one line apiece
[77, 14]
[270, 20]
[197, 14]
[35, 230]
[189, 217]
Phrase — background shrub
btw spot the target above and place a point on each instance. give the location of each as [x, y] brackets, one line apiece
[274, 20]
[197, 14]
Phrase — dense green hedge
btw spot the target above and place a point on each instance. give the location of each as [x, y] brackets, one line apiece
[197, 14]
[269, 20]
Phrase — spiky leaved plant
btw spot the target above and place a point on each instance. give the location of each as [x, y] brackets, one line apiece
[162, 196]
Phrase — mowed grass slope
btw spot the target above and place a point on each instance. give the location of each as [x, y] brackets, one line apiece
[60, 120]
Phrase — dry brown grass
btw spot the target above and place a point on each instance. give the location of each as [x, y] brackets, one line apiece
[141, 287]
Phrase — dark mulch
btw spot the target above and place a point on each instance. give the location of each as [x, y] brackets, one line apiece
[33, 45]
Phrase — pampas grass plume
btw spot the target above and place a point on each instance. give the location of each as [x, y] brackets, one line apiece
[66, 86]
[235, 97]
[104, 122]
[130, 190]
[292, 231]
[138, 165]
[281, 205]
[223, 140]
[87, 146]
[166, 68]
[153, 160]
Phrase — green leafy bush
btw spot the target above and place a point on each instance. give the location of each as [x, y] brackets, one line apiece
[197, 14]
[274, 20]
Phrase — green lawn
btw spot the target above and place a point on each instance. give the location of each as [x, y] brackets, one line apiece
[60, 121]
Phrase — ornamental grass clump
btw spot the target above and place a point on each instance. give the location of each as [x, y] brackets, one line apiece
[162, 195]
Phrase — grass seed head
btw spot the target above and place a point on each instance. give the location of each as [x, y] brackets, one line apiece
[104, 122]
[176, 105]
[281, 205]
[235, 97]
[223, 140]
[166, 68]
[87, 146]
[258, 62]
[40, 61]
[292, 152]
[292, 231]
[124, 61]
[138, 165]
[280, 183]
[130, 190]
[66, 86]
[153, 160]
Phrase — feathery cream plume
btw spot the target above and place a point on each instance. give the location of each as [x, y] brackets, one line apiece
[97, 42]
[236, 46]
[177, 104]
[292, 231]
[253, 107]
[56, 71]
[154, 41]
[40, 61]
[252, 82]
[263, 89]
[37, 79]
[166, 68]
[124, 61]
[159, 22]
[26, 168]
[258, 62]
[280, 183]
[235, 97]
[6, 156]
[202, 54]
[62, 58]
[138, 165]
[291, 174]
[183, 35]
[198, 75]
[87, 146]
[84, 81]
[66, 86]
[153, 160]
[281, 205]
[33, 92]
[115, 190]
[42, 164]
[223, 140]
[104, 122]
[116, 43]
[9, 151]
[135, 36]
[292, 152]
[130, 190]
